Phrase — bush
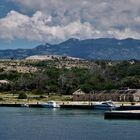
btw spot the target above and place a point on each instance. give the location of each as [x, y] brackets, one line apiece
[41, 96]
[22, 96]
[1, 99]
[87, 88]
[131, 82]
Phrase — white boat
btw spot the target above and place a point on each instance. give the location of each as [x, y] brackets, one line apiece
[24, 105]
[106, 105]
[50, 104]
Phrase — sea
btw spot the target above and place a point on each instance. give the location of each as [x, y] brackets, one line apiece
[61, 124]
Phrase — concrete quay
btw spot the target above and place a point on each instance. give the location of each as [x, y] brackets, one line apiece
[129, 107]
[70, 106]
[129, 114]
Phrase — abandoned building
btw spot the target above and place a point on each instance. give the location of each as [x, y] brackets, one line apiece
[129, 95]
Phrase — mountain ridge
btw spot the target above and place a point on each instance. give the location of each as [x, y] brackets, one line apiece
[101, 48]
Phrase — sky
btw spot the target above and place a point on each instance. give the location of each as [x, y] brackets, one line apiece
[28, 23]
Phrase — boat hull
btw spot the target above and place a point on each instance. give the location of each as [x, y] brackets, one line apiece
[50, 106]
[104, 107]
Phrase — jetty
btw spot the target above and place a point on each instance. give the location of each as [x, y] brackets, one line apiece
[129, 114]
[65, 106]
[10, 105]
[128, 107]
[70, 105]
[80, 106]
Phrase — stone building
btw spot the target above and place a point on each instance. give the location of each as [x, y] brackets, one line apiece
[114, 95]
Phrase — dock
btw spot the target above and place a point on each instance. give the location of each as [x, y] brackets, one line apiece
[65, 106]
[129, 114]
[129, 107]
[22, 105]
[10, 105]
[70, 106]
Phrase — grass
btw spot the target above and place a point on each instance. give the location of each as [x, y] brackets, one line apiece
[6, 97]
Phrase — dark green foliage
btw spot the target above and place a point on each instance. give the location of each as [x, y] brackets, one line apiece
[41, 96]
[50, 79]
[125, 69]
[5, 87]
[1, 99]
[131, 82]
[22, 95]
[86, 88]
[11, 75]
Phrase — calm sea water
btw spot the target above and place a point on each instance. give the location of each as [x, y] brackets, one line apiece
[60, 124]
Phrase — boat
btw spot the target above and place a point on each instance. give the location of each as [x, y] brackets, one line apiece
[24, 105]
[50, 104]
[105, 105]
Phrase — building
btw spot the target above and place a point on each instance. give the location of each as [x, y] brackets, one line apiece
[79, 95]
[129, 95]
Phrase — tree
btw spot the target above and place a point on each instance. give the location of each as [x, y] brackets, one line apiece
[22, 95]
[131, 82]
[86, 88]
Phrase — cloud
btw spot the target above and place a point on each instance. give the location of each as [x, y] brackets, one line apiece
[57, 20]
[37, 28]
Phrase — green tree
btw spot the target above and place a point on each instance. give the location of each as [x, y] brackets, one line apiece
[22, 95]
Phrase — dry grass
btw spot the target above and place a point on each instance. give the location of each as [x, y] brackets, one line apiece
[8, 98]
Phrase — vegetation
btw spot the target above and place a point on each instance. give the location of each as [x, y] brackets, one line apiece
[22, 95]
[100, 75]
[1, 99]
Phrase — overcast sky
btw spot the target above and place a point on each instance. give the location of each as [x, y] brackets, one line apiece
[26, 23]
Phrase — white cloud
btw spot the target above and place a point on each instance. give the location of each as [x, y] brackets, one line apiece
[57, 20]
[16, 25]
[11, 25]
[126, 33]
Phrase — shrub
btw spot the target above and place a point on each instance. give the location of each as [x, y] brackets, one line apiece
[1, 99]
[87, 88]
[41, 96]
[22, 95]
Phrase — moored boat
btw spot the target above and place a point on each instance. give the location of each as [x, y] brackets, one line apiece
[24, 105]
[106, 105]
[50, 104]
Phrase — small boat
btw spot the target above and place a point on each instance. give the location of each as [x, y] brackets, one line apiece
[106, 105]
[50, 104]
[24, 105]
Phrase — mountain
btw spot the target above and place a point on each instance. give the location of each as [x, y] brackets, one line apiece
[102, 48]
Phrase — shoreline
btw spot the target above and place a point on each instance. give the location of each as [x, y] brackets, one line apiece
[8, 98]
[69, 102]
